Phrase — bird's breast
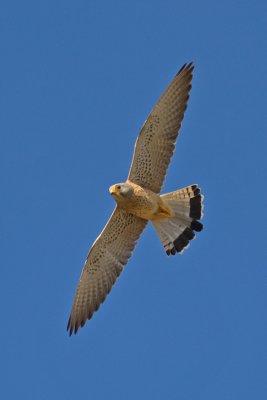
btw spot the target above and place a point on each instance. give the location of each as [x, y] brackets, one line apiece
[143, 202]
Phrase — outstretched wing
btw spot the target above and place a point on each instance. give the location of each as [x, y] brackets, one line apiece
[156, 141]
[104, 263]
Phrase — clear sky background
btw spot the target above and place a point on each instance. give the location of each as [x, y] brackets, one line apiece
[78, 79]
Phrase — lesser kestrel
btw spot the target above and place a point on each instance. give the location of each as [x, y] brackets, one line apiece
[174, 215]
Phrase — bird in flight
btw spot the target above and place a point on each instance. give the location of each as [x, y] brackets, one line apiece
[175, 215]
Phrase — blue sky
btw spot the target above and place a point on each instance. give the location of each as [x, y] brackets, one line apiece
[78, 79]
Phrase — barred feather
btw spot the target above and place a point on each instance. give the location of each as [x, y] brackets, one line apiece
[176, 232]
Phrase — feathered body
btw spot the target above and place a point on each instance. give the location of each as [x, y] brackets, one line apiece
[139, 201]
[174, 215]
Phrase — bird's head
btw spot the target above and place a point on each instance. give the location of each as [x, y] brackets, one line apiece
[121, 191]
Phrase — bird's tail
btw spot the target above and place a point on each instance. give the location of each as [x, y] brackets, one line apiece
[177, 230]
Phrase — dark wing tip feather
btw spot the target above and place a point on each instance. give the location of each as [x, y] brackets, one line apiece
[188, 67]
[74, 325]
[69, 327]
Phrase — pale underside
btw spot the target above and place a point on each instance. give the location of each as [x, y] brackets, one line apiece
[113, 247]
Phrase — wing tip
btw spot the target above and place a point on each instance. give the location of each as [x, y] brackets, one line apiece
[73, 329]
[74, 326]
[69, 327]
[186, 67]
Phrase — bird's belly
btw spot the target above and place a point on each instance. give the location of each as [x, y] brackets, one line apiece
[146, 211]
[142, 206]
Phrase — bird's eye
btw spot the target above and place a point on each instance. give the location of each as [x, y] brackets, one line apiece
[119, 187]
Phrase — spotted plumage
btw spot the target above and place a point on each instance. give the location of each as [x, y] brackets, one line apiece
[174, 215]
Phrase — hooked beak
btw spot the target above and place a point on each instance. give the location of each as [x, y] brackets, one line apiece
[112, 190]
